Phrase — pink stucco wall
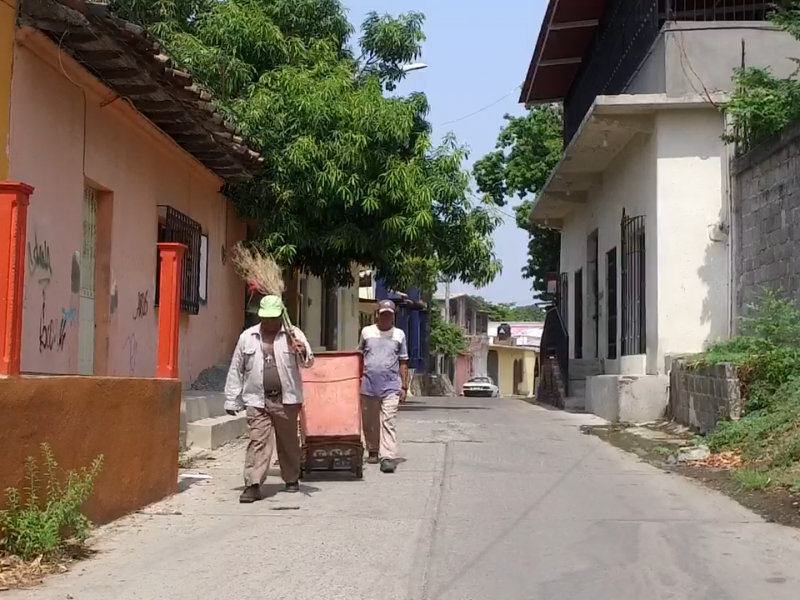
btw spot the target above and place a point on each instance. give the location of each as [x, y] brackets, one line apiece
[64, 135]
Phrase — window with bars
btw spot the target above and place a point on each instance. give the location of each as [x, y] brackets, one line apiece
[633, 283]
[174, 226]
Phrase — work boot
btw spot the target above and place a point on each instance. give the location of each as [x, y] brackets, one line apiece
[292, 487]
[252, 493]
[372, 458]
[388, 465]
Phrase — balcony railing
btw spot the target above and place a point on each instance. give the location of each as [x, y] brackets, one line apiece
[626, 33]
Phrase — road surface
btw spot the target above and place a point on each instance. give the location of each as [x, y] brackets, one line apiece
[496, 500]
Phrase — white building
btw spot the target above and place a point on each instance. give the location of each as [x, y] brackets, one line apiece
[641, 194]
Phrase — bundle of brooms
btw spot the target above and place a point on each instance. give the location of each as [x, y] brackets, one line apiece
[262, 274]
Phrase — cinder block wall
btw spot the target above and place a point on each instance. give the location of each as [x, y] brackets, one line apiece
[132, 422]
[701, 397]
[766, 207]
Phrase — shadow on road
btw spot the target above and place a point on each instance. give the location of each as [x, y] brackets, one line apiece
[409, 407]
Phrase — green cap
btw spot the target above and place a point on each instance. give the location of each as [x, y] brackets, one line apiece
[271, 307]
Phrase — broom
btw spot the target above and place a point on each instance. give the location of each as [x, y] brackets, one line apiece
[262, 274]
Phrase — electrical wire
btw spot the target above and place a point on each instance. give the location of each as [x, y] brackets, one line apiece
[480, 110]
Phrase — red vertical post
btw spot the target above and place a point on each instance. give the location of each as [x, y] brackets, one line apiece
[170, 256]
[14, 200]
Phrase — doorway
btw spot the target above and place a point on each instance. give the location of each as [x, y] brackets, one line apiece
[86, 299]
[593, 295]
[578, 348]
[492, 366]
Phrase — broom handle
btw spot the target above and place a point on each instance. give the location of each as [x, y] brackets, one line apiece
[287, 325]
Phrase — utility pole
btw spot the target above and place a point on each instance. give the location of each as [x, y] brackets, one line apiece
[447, 301]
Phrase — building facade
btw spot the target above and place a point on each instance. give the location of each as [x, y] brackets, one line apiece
[109, 184]
[641, 195]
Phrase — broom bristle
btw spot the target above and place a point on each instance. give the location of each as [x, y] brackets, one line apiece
[261, 270]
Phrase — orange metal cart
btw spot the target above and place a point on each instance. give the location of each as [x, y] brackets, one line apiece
[330, 422]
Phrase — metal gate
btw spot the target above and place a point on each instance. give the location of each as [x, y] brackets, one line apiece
[578, 337]
[633, 285]
[86, 306]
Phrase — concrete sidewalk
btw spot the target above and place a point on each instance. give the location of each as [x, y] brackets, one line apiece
[496, 500]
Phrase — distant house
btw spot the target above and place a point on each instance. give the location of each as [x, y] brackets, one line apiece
[513, 356]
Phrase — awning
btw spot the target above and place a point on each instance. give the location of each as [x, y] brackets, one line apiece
[609, 125]
[567, 31]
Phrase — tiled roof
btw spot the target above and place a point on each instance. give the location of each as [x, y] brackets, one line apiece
[131, 63]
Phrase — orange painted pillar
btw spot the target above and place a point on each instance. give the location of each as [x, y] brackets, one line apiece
[171, 256]
[14, 200]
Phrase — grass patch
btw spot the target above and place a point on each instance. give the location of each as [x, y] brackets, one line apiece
[663, 450]
[767, 357]
[752, 479]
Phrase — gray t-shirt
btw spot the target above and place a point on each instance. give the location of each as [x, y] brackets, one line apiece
[383, 351]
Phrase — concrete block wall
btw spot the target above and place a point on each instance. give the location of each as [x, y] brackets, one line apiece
[701, 397]
[766, 206]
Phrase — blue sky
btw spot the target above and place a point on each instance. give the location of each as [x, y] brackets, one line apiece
[477, 52]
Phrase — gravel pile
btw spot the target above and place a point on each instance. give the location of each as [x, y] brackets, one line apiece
[211, 379]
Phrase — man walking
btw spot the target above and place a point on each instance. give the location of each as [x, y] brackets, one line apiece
[264, 376]
[384, 385]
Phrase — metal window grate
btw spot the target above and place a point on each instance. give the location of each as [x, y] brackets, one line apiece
[563, 297]
[611, 299]
[633, 284]
[174, 226]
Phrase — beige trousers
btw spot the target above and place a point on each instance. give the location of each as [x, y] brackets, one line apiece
[273, 426]
[380, 424]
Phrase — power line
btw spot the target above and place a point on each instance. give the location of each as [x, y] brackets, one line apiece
[480, 110]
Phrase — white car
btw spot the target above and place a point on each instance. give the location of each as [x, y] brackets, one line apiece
[481, 386]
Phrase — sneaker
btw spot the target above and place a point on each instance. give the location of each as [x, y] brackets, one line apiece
[251, 493]
[292, 487]
[388, 465]
[372, 458]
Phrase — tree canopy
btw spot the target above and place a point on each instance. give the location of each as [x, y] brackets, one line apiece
[509, 311]
[527, 150]
[352, 174]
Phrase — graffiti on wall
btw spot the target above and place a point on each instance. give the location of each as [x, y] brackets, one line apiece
[69, 315]
[52, 332]
[39, 258]
[142, 305]
[132, 347]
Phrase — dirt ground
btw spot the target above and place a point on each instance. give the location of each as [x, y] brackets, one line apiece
[650, 443]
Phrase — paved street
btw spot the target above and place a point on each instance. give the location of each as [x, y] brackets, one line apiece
[497, 500]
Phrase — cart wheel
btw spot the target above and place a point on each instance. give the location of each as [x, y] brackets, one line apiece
[359, 472]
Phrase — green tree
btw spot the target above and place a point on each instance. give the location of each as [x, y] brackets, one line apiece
[527, 150]
[509, 311]
[352, 174]
[445, 339]
[761, 104]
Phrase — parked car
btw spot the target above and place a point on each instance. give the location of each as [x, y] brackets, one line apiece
[481, 386]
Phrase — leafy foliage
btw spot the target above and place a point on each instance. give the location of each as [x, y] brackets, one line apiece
[761, 104]
[352, 175]
[446, 339]
[509, 311]
[528, 149]
[44, 526]
[767, 355]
